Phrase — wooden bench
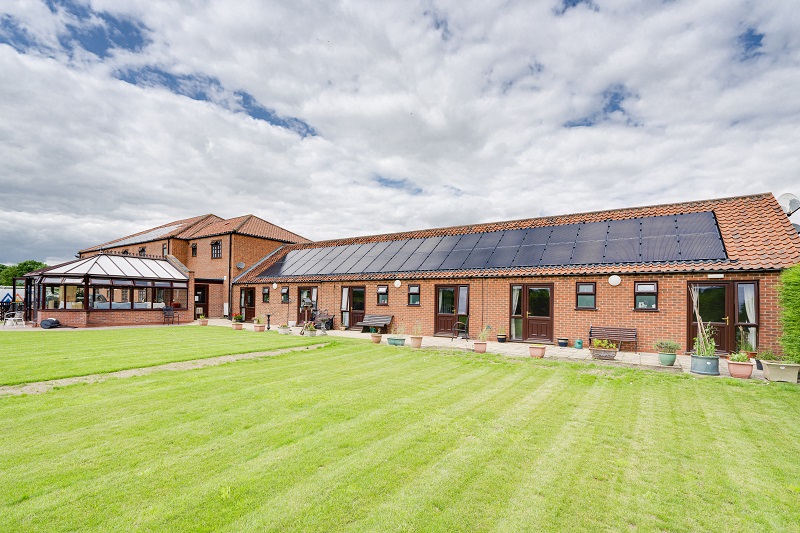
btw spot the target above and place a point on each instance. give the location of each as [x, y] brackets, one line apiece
[619, 335]
[381, 322]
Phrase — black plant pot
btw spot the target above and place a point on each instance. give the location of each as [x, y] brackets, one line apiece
[758, 364]
[501, 338]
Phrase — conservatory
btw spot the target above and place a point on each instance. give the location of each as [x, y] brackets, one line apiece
[109, 290]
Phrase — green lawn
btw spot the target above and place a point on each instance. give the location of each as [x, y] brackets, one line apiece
[360, 437]
[41, 355]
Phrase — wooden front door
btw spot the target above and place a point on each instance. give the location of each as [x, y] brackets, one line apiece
[247, 302]
[452, 305]
[201, 300]
[532, 313]
[715, 301]
[353, 305]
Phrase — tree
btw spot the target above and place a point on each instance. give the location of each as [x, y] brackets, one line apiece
[789, 301]
[7, 273]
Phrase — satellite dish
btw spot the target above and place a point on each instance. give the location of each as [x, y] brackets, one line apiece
[239, 265]
[789, 203]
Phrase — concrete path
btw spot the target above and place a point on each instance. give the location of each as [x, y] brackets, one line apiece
[516, 349]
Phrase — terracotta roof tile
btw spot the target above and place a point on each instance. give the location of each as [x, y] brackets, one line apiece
[755, 231]
[247, 225]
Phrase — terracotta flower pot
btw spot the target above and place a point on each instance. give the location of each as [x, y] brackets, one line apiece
[480, 346]
[202, 321]
[536, 352]
[236, 325]
[376, 338]
[416, 341]
[259, 327]
[740, 370]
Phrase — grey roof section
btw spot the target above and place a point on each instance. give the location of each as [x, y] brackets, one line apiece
[118, 266]
[658, 239]
[797, 227]
[143, 237]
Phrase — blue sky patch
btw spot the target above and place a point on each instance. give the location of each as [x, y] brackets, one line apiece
[569, 4]
[397, 184]
[209, 89]
[11, 33]
[749, 43]
[613, 97]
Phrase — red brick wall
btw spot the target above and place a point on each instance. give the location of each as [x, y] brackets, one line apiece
[489, 302]
[115, 317]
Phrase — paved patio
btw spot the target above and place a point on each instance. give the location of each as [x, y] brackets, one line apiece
[515, 349]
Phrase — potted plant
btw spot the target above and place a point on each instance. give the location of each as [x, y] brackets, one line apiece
[780, 367]
[603, 349]
[258, 324]
[237, 321]
[202, 320]
[563, 342]
[501, 334]
[396, 338]
[310, 329]
[667, 351]
[283, 329]
[480, 344]
[739, 365]
[536, 350]
[704, 359]
[375, 335]
[416, 335]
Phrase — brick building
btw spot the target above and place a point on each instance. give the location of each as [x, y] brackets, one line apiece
[544, 278]
[214, 250]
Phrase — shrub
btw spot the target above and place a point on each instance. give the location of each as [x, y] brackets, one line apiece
[789, 302]
[603, 344]
[667, 346]
[739, 357]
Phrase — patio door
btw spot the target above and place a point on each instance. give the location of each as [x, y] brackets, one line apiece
[201, 300]
[247, 302]
[731, 308]
[306, 294]
[352, 308]
[532, 313]
[452, 305]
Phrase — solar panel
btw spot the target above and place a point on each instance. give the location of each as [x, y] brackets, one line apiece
[478, 258]
[685, 237]
[660, 248]
[468, 242]
[623, 229]
[385, 256]
[701, 246]
[563, 234]
[434, 261]
[528, 255]
[593, 231]
[502, 256]
[537, 236]
[588, 253]
[368, 258]
[690, 223]
[489, 240]
[455, 259]
[622, 251]
[558, 253]
[659, 226]
[512, 237]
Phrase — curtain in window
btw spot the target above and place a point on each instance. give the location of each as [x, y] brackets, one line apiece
[345, 299]
[749, 293]
[516, 292]
[463, 293]
[314, 297]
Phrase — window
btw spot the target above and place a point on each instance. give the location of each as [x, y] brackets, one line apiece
[383, 295]
[284, 295]
[194, 250]
[142, 251]
[265, 295]
[413, 295]
[164, 250]
[216, 249]
[586, 295]
[645, 296]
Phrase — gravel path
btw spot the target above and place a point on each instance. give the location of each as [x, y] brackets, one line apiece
[41, 387]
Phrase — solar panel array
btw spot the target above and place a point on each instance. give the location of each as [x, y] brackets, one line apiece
[683, 237]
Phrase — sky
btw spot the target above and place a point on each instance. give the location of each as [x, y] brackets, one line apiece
[338, 119]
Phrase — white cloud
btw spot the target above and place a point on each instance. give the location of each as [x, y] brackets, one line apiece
[447, 96]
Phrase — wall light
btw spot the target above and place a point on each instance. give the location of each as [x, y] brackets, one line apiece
[397, 283]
